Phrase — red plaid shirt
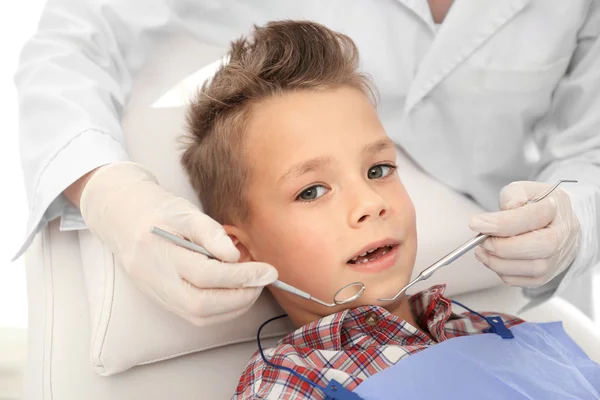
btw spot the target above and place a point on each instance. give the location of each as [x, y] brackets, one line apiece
[352, 345]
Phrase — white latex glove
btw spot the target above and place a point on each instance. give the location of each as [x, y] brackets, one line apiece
[531, 243]
[120, 204]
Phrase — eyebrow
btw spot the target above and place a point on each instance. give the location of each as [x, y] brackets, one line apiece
[380, 145]
[319, 162]
[305, 167]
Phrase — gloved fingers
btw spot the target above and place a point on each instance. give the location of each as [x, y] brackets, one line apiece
[516, 221]
[208, 233]
[535, 268]
[532, 245]
[202, 306]
[517, 194]
[203, 272]
[212, 303]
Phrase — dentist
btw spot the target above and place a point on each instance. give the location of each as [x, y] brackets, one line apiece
[490, 97]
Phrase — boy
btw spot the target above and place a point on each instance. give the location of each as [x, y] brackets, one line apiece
[286, 150]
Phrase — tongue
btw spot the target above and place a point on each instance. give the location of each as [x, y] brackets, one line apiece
[371, 256]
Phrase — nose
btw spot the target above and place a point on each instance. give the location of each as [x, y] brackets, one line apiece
[368, 205]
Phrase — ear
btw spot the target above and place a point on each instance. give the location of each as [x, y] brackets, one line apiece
[241, 242]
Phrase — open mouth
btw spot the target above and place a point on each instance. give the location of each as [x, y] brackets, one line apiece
[371, 254]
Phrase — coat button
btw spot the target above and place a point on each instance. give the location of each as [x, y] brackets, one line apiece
[371, 319]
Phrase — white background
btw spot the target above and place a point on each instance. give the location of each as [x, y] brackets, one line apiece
[18, 21]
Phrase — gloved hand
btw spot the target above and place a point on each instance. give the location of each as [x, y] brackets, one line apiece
[120, 204]
[531, 243]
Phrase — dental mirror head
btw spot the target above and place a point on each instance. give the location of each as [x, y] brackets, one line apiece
[349, 293]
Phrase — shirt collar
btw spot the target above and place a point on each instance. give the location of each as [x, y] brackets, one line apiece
[356, 327]
[432, 310]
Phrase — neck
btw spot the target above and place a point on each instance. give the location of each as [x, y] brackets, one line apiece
[439, 9]
[402, 310]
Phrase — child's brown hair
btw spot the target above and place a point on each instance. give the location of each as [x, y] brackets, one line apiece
[278, 58]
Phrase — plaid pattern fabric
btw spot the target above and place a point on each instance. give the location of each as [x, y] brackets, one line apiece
[352, 345]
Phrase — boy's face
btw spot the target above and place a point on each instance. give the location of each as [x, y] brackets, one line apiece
[323, 190]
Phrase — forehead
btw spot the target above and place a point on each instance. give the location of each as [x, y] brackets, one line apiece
[299, 125]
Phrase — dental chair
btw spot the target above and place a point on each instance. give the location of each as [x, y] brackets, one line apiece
[93, 335]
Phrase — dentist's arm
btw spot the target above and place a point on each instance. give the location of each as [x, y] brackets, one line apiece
[74, 78]
[73, 81]
[558, 237]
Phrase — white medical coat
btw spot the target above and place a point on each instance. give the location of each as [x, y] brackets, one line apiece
[504, 91]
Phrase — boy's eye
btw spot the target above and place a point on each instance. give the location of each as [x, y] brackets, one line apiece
[312, 193]
[380, 171]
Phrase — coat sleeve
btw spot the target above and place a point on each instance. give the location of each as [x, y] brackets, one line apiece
[75, 75]
[569, 139]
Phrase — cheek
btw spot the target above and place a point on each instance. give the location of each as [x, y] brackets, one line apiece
[402, 205]
[404, 214]
[292, 240]
[409, 221]
[300, 246]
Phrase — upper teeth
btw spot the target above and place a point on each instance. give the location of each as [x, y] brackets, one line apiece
[385, 250]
